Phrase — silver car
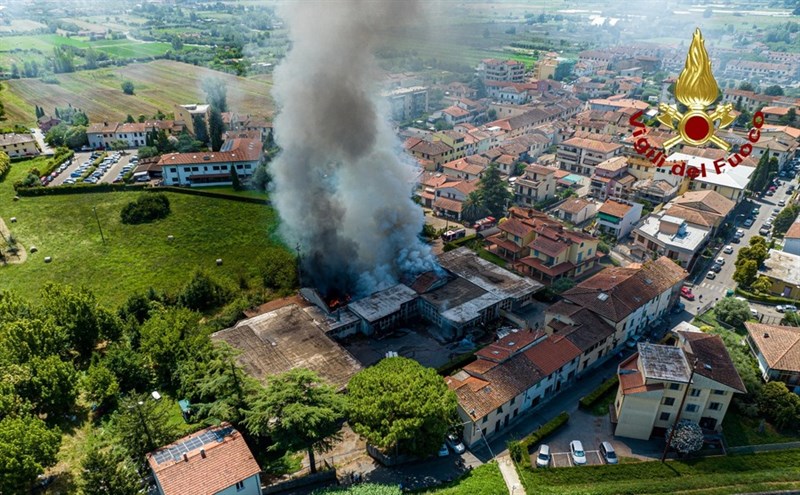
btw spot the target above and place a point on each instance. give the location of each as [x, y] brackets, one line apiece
[577, 452]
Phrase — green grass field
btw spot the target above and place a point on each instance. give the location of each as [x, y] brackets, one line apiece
[158, 85]
[483, 480]
[712, 475]
[134, 257]
[741, 430]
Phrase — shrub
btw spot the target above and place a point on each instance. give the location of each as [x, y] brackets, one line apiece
[146, 209]
[520, 450]
[5, 164]
[23, 188]
[202, 293]
[591, 399]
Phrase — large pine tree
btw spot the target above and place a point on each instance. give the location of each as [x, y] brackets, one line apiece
[494, 193]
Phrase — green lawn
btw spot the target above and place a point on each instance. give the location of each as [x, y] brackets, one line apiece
[483, 480]
[726, 474]
[134, 257]
[741, 430]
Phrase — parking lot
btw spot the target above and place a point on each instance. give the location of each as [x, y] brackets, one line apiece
[564, 459]
[82, 162]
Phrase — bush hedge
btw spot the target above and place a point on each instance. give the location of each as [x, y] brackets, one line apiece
[520, 450]
[62, 155]
[449, 246]
[212, 194]
[5, 164]
[764, 297]
[588, 401]
[77, 189]
[145, 209]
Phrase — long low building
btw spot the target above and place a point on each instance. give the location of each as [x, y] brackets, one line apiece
[212, 168]
[18, 145]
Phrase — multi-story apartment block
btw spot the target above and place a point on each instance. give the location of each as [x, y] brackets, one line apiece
[501, 70]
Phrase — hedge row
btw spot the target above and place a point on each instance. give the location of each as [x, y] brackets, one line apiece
[520, 450]
[62, 155]
[212, 194]
[77, 189]
[5, 164]
[588, 401]
[764, 297]
[449, 246]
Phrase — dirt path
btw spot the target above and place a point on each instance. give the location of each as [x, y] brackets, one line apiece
[21, 255]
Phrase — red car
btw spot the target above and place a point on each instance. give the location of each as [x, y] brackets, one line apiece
[687, 293]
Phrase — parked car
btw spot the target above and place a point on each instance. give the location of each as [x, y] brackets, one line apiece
[711, 275]
[720, 260]
[543, 459]
[781, 203]
[736, 240]
[748, 222]
[755, 210]
[608, 453]
[771, 192]
[687, 293]
[716, 268]
[764, 231]
[577, 452]
[443, 451]
[768, 223]
[739, 233]
[789, 308]
[727, 249]
[454, 443]
[753, 313]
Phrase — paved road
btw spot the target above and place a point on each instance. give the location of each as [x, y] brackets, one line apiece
[706, 290]
[39, 136]
[117, 167]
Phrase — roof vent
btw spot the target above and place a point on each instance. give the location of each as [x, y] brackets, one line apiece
[186, 457]
[766, 335]
[602, 296]
[648, 281]
[206, 158]
[707, 366]
[203, 453]
[510, 344]
[495, 352]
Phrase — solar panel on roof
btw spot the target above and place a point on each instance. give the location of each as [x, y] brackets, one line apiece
[175, 452]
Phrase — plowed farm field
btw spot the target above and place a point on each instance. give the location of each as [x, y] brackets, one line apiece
[158, 85]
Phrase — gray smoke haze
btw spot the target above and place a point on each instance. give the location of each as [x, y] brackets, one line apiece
[342, 183]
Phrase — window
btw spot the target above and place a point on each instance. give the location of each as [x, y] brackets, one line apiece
[239, 486]
[715, 406]
[695, 392]
[719, 392]
[500, 410]
[664, 416]
[691, 408]
[668, 401]
[513, 400]
[674, 386]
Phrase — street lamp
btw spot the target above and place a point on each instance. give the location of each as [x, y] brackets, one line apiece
[680, 410]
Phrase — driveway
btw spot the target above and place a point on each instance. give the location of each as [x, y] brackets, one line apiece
[39, 136]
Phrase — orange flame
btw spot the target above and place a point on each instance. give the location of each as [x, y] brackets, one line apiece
[696, 87]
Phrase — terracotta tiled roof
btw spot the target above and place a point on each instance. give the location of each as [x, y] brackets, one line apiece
[539, 169]
[209, 468]
[552, 353]
[694, 217]
[714, 362]
[448, 204]
[499, 240]
[780, 345]
[515, 227]
[574, 205]
[793, 232]
[552, 271]
[430, 148]
[547, 246]
[455, 111]
[711, 201]
[614, 208]
[592, 145]
[242, 150]
[582, 327]
[498, 385]
[616, 292]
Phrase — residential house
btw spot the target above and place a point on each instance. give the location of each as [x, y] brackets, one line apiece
[557, 252]
[783, 270]
[629, 298]
[455, 115]
[653, 383]
[186, 114]
[254, 124]
[497, 387]
[746, 100]
[731, 183]
[791, 240]
[47, 122]
[456, 141]
[611, 179]
[461, 90]
[512, 241]
[704, 209]
[777, 350]
[618, 217]
[470, 167]
[588, 332]
[653, 191]
[501, 70]
[766, 72]
[662, 234]
[450, 197]
[582, 155]
[212, 167]
[431, 154]
[575, 210]
[427, 183]
[603, 59]
[212, 461]
[536, 184]
[18, 145]
[611, 104]
[774, 114]
[545, 68]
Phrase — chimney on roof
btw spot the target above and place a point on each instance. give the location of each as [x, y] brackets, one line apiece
[766, 335]
[186, 457]
[203, 453]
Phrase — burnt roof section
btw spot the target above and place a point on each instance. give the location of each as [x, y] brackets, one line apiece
[383, 303]
[486, 275]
